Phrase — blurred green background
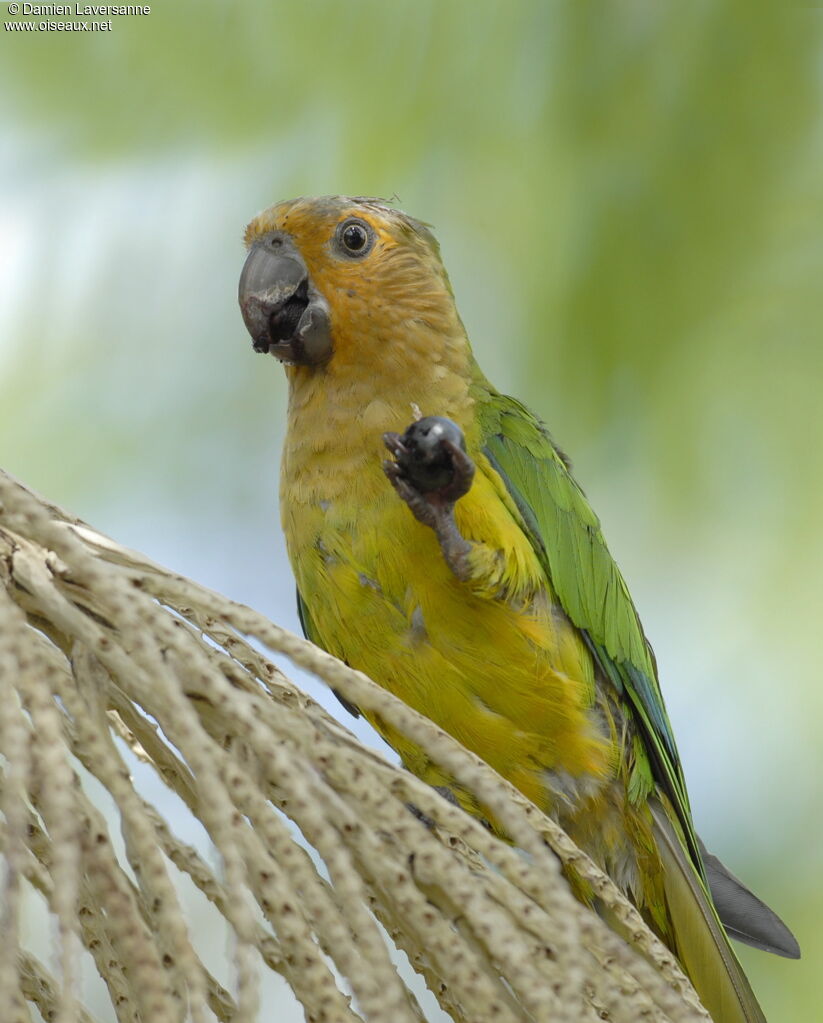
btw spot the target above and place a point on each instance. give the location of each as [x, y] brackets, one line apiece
[629, 200]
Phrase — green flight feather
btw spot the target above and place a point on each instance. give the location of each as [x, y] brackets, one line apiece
[566, 535]
[700, 941]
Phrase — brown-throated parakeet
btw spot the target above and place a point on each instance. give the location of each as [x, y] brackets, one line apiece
[466, 572]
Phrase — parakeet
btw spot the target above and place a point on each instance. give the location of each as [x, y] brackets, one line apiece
[441, 545]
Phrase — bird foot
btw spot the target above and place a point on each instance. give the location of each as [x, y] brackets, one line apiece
[430, 472]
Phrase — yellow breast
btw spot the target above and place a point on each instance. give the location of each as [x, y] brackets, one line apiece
[510, 678]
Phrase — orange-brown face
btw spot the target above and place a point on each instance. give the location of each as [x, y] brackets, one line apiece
[323, 273]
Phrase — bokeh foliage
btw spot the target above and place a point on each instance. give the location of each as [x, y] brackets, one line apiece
[629, 201]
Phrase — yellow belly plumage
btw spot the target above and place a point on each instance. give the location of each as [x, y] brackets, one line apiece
[495, 662]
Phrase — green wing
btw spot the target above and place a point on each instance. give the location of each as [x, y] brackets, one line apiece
[566, 535]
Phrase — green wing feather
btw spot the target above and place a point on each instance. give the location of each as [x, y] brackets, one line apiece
[566, 534]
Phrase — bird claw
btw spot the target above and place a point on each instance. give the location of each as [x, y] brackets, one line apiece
[421, 508]
[431, 458]
[462, 472]
[394, 443]
[430, 471]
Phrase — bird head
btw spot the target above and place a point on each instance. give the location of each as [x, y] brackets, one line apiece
[334, 280]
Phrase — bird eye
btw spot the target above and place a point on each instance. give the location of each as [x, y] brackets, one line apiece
[356, 237]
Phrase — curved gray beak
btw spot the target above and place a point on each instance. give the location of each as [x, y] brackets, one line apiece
[283, 311]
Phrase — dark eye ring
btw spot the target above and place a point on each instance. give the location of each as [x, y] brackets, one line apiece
[356, 237]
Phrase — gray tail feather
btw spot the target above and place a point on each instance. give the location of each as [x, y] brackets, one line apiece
[745, 917]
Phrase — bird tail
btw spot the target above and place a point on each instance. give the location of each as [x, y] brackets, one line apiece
[700, 941]
[744, 916]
